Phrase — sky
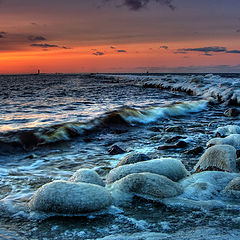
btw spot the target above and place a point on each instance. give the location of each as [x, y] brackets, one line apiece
[75, 36]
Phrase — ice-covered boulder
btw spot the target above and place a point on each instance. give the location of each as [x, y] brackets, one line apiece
[205, 185]
[168, 167]
[219, 158]
[133, 158]
[146, 185]
[70, 198]
[233, 140]
[227, 130]
[233, 188]
[87, 176]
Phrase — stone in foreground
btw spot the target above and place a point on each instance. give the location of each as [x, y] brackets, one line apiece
[168, 167]
[147, 185]
[70, 198]
[218, 158]
[87, 176]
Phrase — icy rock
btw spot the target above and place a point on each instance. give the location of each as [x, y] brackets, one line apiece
[219, 157]
[227, 130]
[70, 198]
[233, 188]
[146, 185]
[87, 176]
[233, 140]
[133, 158]
[205, 185]
[168, 167]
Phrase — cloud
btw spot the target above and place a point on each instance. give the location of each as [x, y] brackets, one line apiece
[208, 51]
[203, 49]
[164, 47]
[112, 47]
[46, 45]
[98, 53]
[2, 34]
[233, 51]
[37, 38]
[121, 51]
[193, 69]
[136, 5]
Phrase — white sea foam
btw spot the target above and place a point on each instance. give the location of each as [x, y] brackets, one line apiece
[154, 113]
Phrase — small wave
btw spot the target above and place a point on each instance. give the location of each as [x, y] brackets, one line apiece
[118, 119]
[149, 115]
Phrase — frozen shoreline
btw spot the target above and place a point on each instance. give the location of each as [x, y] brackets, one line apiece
[224, 90]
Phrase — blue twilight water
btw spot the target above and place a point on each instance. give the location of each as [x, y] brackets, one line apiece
[52, 125]
[30, 101]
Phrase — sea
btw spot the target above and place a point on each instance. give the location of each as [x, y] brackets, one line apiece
[51, 125]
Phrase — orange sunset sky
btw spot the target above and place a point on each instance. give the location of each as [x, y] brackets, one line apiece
[73, 36]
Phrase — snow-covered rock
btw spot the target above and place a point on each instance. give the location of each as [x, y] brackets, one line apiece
[168, 167]
[70, 198]
[87, 176]
[227, 130]
[146, 185]
[233, 140]
[218, 157]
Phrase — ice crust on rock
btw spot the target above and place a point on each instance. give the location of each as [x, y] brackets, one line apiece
[206, 185]
[221, 157]
[227, 130]
[87, 176]
[233, 140]
[232, 190]
[146, 185]
[168, 167]
[70, 198]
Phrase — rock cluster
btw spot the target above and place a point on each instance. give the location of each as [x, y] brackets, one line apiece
[215, 177]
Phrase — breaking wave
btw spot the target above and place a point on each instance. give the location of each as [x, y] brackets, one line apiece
[123, 118]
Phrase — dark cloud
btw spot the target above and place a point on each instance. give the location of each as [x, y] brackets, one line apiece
[46, 45]
[112, 47]
[233, 51]
[121, 51]
[208, 51]
[98, 53]
[238, 30]
[37, 38]
[180, 52]
[204, 49]
[192, 69]
[208, 54]
[136, 5]
[3, 34]
[164, 47]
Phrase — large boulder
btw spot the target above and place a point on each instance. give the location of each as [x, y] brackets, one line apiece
[227, 130]
[233, 188]
[133, 158]
[233, 140]
[146, 185]
[168, 167]
[87, 176]
[70, 198]
[205, 185]
[218, 158]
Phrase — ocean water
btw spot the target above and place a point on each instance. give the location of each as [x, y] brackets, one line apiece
[53, 125]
